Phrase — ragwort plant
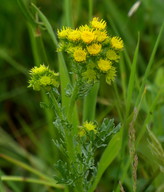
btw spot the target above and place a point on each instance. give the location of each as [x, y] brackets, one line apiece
[93, 53]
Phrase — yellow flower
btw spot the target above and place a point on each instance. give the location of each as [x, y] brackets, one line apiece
[63, 33]
[89, 126]
[38, 70]
[112, 55]
[98, 24]
[117, 43]
[94, 49]
[110, 76]
[45, 80]
[74, 35]
[100, 36]
[43, 77]
[104, 65]
[79, 55]
[87, 36]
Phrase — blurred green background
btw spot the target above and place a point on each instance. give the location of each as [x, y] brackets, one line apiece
[25, 132]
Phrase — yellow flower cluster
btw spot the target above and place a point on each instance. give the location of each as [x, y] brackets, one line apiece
[92, 44]
[43, 77]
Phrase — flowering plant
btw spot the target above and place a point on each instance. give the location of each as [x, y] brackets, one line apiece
[93, 53]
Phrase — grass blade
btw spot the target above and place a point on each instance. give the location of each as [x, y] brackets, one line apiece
[132, 79]
[149, 65]
[29, 180]
[90, 104]
[25, 10]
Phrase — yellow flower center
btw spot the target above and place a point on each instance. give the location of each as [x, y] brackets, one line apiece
[104, 65]
[79, 55]
[98, 24]
[94, 49]
[117, 43]
[87, 36]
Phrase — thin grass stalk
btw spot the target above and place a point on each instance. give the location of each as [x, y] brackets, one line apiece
[30, 180]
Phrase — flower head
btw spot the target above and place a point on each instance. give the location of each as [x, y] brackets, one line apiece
[110, 76]
[117, 43]
[104, 65]
[74, 35]
[98, 24]
[100, 36]
[94, 49]
[38, 70]
[62, 34]
[87, 36]
[43, 77]
[89, 126]
[112, 55]
[79, 55]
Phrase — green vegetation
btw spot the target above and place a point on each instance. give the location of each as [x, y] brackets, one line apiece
[133, 159]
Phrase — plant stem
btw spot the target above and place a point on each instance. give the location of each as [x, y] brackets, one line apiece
[56, 105]
[72, 102]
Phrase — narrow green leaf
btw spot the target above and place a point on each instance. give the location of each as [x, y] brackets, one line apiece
[67, 12]
[107, 157]
[46, 24]
[29, 180]
[132, 79]
[149, 65]
[90, 104]
[25, 10]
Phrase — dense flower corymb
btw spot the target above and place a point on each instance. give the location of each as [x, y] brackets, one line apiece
[92, 50]
[43, 77]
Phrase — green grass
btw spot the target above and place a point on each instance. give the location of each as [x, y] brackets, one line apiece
[134, 99]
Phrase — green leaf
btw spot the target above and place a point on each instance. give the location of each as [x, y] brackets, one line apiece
[90, 104]
[149, 65]
[132, 79]
[107, 157]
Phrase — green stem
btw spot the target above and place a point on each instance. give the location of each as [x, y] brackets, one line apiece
[90, 9]
[72, 103]
[56, 105]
